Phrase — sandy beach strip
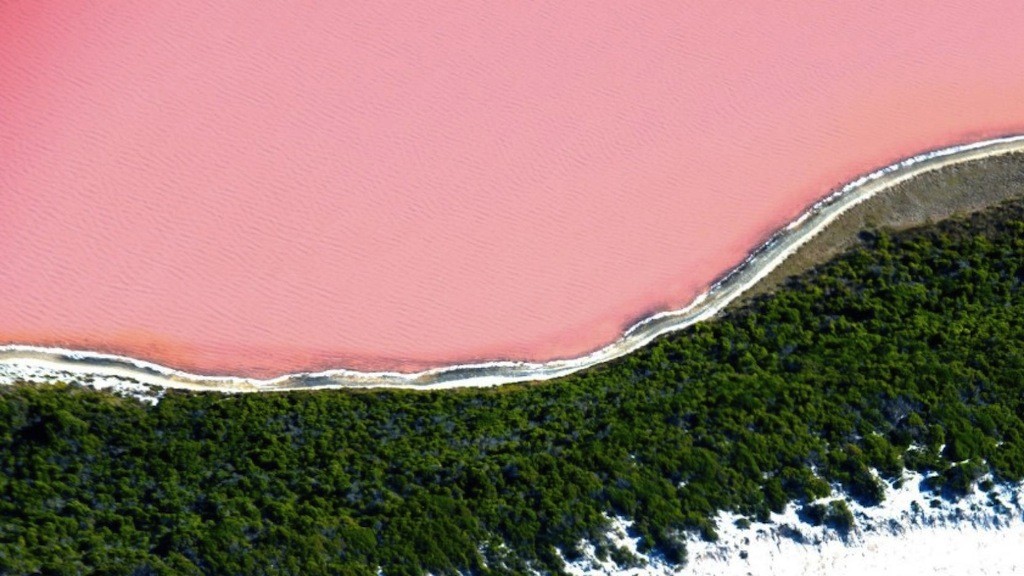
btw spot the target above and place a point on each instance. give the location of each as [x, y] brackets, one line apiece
[27, 363]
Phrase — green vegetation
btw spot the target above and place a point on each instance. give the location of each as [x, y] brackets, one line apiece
[835, 514]
[908, 351]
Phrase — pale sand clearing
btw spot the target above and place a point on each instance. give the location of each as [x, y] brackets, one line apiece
[19, 362]
[910, 532]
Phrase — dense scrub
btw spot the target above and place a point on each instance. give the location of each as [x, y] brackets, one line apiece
[908, 351]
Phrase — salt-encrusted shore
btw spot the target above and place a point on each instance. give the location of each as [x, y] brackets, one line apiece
[32, 363]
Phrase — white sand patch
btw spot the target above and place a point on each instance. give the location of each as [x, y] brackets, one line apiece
[911, 532]
[15, 373]
[944, 549]
[618, 537]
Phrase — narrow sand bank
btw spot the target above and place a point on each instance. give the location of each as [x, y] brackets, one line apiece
[19, 362]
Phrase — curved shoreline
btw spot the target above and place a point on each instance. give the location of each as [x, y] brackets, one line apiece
[22, 362]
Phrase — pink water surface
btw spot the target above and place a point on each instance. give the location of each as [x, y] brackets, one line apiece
[266, 187]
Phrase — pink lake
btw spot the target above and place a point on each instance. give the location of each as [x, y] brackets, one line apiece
[264, 188]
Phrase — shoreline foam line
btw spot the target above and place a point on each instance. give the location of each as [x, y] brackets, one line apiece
[23, 362]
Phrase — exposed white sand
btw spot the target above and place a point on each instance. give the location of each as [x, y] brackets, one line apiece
[982, 534]
[19, 362]
[11, 373]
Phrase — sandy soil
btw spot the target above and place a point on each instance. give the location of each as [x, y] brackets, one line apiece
[911, 532]
[955, 190]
